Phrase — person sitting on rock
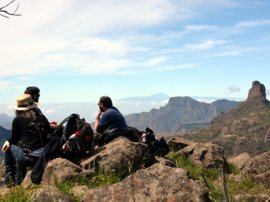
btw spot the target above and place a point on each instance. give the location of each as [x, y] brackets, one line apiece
[29, 133]
[108, 120]
[35, 94]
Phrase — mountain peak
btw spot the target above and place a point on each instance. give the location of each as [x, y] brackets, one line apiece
[257, 91]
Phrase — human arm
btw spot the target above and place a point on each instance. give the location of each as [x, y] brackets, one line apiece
[97, 120]
[14, 137]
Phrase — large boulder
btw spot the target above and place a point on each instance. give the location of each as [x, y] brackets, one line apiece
[240, 161]
[177, 143]
[206, 155]
[49, 194]
[156, 183]
[59, 170]
[259, 168]
[118, 157]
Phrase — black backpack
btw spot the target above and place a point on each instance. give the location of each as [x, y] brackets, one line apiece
[157, 147]
[78, 133]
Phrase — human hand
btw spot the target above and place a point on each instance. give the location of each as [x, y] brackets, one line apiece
[53, 125]
[98, 115]
[65, 147]
[5, 146]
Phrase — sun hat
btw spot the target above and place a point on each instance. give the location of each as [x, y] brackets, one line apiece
[25, 102]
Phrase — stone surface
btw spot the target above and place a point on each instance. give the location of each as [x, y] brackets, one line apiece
[178, 143]
[206, 155]
[240, 161]
[119, 156]
[259, 168]
[26, 183]
[49, 194]
[253, 198]
[257, 91]
[3, 191]
[165, 162]
[79, 191]
[156, 183]
[2, 168]
[59, 170]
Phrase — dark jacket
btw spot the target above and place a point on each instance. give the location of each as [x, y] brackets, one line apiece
[28, 134]
[111, 119]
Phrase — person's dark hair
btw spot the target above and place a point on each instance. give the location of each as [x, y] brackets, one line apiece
[33, 91]
[106, 101]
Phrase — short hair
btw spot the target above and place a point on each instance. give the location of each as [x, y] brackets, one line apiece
[106, 101]
[32, 90]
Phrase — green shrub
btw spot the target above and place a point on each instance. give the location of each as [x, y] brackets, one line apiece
[196, 172]
[98, 179]
[16, 194]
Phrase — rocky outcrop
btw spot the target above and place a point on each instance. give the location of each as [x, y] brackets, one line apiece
[118, 157]
[49, 194]
[259, 169]
[59, 170]
[257, 91]
[240, 161]
[244, 129]
[177, 143]
[156, 183]
[164, 162]
[206, 155]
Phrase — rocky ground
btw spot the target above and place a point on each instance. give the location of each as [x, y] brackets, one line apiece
[125, 171]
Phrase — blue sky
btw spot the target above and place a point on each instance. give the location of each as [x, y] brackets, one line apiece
[79, 50]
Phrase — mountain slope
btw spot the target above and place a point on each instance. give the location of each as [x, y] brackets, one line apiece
[245, 128]
[5, 121]
[180, 113]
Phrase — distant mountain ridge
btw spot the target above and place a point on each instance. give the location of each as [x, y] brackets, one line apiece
[245, 128]
[5, 121]
[180, 113]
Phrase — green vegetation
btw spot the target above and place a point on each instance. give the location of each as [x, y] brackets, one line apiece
[18, 194]
[247, 185]
[98, 179]
[212, 180]
[196, 172]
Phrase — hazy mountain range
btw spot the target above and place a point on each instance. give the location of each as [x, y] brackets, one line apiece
[130, 105]
[180, 114]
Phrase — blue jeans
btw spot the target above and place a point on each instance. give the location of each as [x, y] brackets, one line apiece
[16, 165]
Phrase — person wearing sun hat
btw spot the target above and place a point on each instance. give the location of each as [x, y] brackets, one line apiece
[29, 133]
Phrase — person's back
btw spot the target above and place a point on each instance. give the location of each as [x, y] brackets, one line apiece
[29, 130]
[109, 122]
[111, 119]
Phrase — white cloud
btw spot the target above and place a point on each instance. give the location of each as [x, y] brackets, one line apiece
[244, 25]
[48, 111]
[155, 61]
[208, 44]
[4, 85]
[196, 28]
[234, 89]
[89, 36]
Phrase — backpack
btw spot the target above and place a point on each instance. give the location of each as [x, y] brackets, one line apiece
[157, 147]
[78, 134]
